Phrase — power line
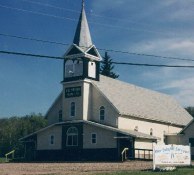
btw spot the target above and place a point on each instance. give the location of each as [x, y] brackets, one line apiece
[108, 50]
[33, 39]
[118, 63]
[76, 11]
[37, 13]
[65, 18]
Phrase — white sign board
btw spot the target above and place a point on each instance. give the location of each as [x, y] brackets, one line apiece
[171, 155]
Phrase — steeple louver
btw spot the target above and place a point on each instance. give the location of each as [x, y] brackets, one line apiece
[82, 36]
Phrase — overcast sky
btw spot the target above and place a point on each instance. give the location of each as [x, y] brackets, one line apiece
[156, 27]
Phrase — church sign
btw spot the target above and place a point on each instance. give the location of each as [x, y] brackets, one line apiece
[73, 92]
[171, 155]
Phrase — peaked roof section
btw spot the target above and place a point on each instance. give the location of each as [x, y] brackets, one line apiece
[134, 101]
[134, 134]
[82, 36]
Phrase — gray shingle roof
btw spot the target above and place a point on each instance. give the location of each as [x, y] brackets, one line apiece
[139, 102]
[82, 35]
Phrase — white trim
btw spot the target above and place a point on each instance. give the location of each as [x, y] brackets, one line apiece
[67, 135]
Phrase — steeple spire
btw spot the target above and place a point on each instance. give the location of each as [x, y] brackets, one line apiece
[82, 36]
[83, 3]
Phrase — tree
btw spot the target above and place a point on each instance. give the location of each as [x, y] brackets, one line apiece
[190, 110]
[14, 128]
[107, 67]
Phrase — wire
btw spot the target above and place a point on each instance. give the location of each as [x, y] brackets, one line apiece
[121, 63]
[33, 39]
[108, 50]
[75, 11]
[37, 13]
[65, 18]
[30, 55]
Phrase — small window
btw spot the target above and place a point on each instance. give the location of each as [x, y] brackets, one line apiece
[136, 128]
[52, 139]
[60, 116]
[72, 137]
[151, 131]
[94, 138]
[102, 113]
[72, 112]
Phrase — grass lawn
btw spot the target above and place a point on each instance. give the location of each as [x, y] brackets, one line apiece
[2, 160]
[179, 171]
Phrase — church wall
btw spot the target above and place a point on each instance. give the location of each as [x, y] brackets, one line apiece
[43, 139]
[98, 100]
[53, 114]
[105, 138]
[145, 126]
[78, 102]
[143, 144]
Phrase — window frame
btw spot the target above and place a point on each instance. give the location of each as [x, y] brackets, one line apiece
[52, 139]
[136, 128]
[94, 139]
[102, 115]
[72, 111]
[60, 115]
[151, 131]
[71, 137]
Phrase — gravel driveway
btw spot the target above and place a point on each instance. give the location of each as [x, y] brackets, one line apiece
[70, 168]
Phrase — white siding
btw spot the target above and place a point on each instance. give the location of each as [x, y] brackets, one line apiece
[144, 126]
[98, 100]
[43, 139]
[105, 138]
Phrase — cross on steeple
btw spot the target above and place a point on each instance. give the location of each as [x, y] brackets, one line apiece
[83, 3]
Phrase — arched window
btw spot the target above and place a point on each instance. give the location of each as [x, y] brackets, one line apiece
[102, 113]
[72, 137]
[60, 116]
[136, 128]
[72, 109]
[151, 131]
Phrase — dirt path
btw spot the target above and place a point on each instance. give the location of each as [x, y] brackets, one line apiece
[70, 168]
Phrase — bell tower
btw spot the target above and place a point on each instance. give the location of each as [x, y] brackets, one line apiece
[82, 59]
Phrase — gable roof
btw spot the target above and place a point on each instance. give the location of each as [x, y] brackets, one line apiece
[134, 101]
[131, 133]
[185, 128]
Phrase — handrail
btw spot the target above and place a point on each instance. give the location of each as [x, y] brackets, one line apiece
[11, 152]
[124, 151]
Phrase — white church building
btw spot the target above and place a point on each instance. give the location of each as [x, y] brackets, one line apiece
[97, 117]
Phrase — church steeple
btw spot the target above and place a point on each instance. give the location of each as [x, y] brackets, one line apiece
[82, 59]
[82, 36]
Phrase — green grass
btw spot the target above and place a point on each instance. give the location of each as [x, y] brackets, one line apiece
[179, 171]
[2, 160]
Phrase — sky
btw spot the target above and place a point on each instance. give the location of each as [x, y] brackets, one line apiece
[153, 27]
